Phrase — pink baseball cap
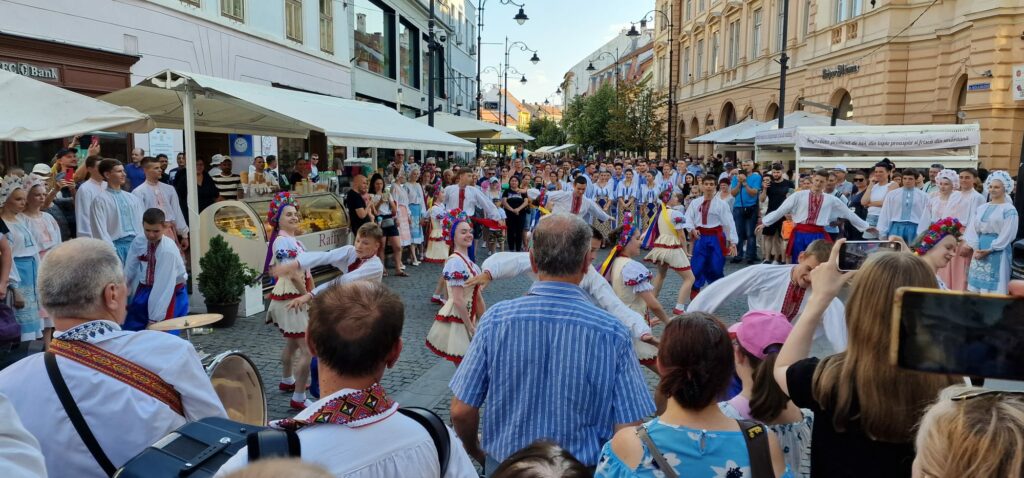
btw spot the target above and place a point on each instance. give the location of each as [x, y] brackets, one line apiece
[759, 329]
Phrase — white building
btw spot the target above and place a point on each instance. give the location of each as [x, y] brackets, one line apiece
[390, 53]
[98, 46]
[578, 81]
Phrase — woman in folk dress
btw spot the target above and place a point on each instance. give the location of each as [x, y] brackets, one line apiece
[604, 196]
[943, 203]
[25, 252]
[283, 217]
[648, 202]
[990, 235]
[626, 196]
[669, 251]
[455, 324]
[417, 209]
[46, 233]
[970, 202]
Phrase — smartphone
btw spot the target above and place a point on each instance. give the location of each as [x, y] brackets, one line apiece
[958, 333]
[853, 253]
[69, 175]
[95, 140]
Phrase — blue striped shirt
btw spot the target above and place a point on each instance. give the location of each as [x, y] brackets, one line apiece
[552, 366]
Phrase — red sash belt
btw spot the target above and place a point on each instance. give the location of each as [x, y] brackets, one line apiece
[488, 223]
[120, 369]
[805, 229]
[715, 231]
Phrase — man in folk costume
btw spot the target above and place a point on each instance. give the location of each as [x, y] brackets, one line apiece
[576, 202]
[155, 194]
[782, 288]
[710, 221]
[357, 429]
[116, 215]
[903, 209]
[471, 199]
[812, 210]
[156, 273]
[87, 192]
[132, 388]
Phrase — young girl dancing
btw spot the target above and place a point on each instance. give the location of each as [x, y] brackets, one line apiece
[455, 324]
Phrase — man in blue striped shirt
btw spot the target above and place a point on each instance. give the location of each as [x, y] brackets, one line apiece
[550, 365]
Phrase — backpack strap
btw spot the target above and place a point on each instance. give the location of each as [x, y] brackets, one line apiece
[437, 430]
[271, 443]
[756, 436]
[75, 415]
[659, 458]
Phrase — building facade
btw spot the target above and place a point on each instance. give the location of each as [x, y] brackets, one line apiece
[98, 46]
[878, 61]
[623, 54]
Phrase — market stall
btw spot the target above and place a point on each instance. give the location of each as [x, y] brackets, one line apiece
[243, 224]
[811, 147]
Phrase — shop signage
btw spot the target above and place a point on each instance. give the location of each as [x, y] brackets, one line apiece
[329, 239]
[896, 141]
[837, 71]
[47, 73]
[1018, 83]
[979, 87]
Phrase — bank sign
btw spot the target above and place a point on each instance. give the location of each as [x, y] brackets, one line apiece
[30, 70]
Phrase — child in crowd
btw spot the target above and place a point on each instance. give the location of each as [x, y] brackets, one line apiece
[155, 271]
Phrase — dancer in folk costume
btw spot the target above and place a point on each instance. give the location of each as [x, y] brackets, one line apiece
[575, 201]
[604, 196]
[403, 218]
[116, 215]
[938, 243]
[283, 217]
[437, 250]
[710, 221]
[970, 202]
[626, 196]
[990, 235]
[455, 324]
[155, 274]
[667, 239]
[25, 252]
[46, 233]
[632, 283]
[811, 210]
[903, 209]
[417, 210]
[943, 203]
[878, 188]
[647, 201]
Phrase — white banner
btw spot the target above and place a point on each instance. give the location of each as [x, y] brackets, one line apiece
[898, 141]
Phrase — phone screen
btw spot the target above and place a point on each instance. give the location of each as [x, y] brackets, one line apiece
[854, 253]
[960, 333]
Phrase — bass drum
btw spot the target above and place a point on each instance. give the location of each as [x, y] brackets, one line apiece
[239, 387]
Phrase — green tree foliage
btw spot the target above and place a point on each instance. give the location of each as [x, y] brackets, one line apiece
[546, 132]
[628, 117]
[586, 119]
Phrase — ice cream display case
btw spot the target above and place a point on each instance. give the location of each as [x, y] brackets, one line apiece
[243, 224]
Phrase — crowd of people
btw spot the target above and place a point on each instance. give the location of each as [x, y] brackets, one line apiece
[555, 376]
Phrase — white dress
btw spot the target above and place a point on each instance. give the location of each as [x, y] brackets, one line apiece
[448, 336]
[629, 279]
[993, 229]
[670, 246]
[437, 249]
[291, 322]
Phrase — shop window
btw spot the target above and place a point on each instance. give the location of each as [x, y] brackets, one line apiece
[293, 20]
[327, 26]
[233, 9]
[374, 35]
[409, 54]
[689, 9]
[686, 65]
[847, 9]
[714, 51]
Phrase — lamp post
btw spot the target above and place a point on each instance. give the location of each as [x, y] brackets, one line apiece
[671, 71]
[533, 59]
[520, 18]
[783, 61]
[616, 57]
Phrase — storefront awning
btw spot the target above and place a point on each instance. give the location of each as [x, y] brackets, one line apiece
[229, 106]
[463, 126]
[34, 111]
[508, 136]
[729, 133]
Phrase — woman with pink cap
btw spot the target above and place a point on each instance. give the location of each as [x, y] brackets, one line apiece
[758, 337]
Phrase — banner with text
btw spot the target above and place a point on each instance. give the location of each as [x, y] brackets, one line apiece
[898, 141]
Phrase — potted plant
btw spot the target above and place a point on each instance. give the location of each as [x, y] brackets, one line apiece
[223, 280]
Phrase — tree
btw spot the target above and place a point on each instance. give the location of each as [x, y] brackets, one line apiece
[586, 118]
[545, 132]
[636, 124]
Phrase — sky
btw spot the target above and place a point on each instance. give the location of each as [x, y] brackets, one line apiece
[562, 31]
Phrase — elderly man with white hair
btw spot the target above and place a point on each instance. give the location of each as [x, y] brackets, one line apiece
[129, 389]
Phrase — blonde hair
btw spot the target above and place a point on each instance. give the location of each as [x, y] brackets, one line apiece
[890, 400]
[981, 436]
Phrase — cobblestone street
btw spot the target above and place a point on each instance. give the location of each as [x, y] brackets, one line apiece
[420, 378]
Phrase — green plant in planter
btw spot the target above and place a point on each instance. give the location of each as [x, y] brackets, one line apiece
[224, 277]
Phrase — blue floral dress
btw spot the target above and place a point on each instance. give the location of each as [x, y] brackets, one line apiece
[692, 453]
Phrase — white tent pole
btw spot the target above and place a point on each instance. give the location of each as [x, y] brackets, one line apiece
[189, 122]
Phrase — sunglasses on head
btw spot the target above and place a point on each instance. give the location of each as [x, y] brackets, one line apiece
[970, 395]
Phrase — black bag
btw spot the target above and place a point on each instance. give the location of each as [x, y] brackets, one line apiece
[10, 330]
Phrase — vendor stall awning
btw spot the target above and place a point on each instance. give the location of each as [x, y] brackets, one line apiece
[33, 111]
[508, 136]
[463, 126]
[229, 106]
[796, 119]
[729, 134]
[564, 147]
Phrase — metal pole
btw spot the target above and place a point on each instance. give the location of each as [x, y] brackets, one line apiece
[479, 55]
[192, 189]
[504, 109]
[430, 66]
[783, 61]
[671, 104]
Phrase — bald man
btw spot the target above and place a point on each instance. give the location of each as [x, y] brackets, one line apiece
[358, 212]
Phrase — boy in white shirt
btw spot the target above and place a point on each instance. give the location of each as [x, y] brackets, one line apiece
[155, 271]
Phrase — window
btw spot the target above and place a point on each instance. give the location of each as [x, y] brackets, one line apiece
[714, 51]
[293, 20]
[700, 6]
[700, 59]
[734, 44]
[755, 35]
[847, 9]
[689, 9]
[807, 17]
[408, 54]
[374, 35]
[778, 26]
[194, 3]
[327, 26]
[436, 72]
[686, 65]
[233, 9]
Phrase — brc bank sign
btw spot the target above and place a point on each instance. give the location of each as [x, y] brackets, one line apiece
[32, 71]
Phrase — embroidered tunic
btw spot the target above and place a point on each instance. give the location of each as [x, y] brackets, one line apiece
[291, 322]
[448, 336]
[345, 260]
[993, 229]
[160, 268]
[116, 215]
[163, 197]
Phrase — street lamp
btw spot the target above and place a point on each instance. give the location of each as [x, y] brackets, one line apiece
[502, 71]
[600, 55]
[671, 90]
[590, 67]
[534, 59]
[520, 18]
[523, 80]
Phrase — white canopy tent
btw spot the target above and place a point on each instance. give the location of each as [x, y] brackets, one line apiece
[193, 102]
[562, 148]
[861, 146]
[544, 149]
[729, 134]
[463, 126]
[35, 111]
[508, 136]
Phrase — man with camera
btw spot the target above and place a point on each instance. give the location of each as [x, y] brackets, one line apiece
[746, 187]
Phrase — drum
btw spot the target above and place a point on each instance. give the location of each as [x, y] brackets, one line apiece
[239, 387]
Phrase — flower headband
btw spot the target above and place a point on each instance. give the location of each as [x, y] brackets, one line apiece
[949, 226]
[277, 205]
[450, 222]
[627, 229]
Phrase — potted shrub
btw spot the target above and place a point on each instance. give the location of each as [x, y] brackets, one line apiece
[223, 280]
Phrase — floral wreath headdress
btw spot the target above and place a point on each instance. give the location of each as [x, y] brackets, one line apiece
[449, 223]
[935, 233]
[281, 199]
[620, 242]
